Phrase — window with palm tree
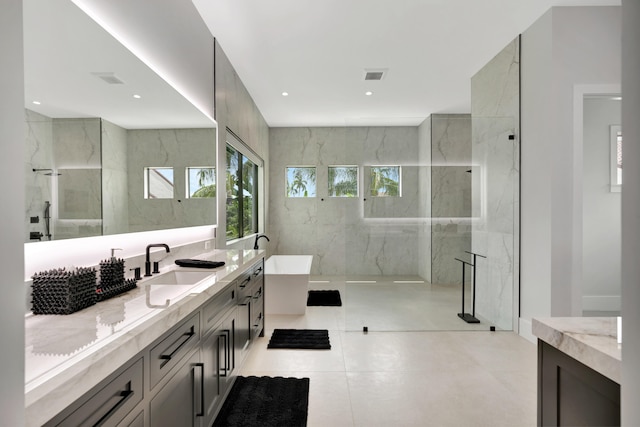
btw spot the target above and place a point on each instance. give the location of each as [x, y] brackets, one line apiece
[385, 181]
[343, 181]
[242, 195]
[301, 181]
[201, 182]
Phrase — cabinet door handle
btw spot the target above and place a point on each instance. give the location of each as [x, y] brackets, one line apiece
[124, 396]
[167, 357]
[245, 281]
[218, 364]
[257, 272]
[224, 369]
[201, 366]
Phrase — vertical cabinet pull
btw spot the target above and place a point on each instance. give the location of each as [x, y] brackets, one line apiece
[223, 370]
[201, 366]
[124, 396]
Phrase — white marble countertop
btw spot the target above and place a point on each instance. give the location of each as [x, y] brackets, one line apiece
[67, 355]
[590, 340]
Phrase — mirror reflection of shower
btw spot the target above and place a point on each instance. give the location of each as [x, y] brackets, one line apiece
[37, 235]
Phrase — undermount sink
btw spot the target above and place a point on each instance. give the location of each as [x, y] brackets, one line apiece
[178, 277]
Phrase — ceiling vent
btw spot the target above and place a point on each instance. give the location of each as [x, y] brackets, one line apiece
[377, 74]
[109, 78]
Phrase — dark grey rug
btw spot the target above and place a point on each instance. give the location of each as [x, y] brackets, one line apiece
[312, 339]
[265, 401]
[324, 298]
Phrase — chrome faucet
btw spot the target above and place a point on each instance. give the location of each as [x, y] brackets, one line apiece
[147, 264]
[255, 245]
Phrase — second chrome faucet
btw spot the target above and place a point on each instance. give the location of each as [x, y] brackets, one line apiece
[147, 264]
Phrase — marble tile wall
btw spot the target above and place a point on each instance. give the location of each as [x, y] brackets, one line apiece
[177, 148]
[450, 195]
[495, 116]
[235, 110]
[115, 179]
[77, 152]
[336, 231]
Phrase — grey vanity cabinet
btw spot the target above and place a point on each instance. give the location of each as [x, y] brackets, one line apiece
[182, 378]
[179, 401]
[219, 364]
[109, 403]
[250, 308]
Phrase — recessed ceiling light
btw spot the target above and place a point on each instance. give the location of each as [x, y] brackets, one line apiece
[368, 93]
[136, 96]
[36, 102]
[285, 93]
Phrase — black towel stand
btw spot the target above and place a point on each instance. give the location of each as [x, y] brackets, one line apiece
[469, 317]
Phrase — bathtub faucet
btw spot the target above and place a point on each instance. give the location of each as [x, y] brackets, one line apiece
[255, 245]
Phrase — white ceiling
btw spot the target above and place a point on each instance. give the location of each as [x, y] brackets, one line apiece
[317, 51]
[64, 47]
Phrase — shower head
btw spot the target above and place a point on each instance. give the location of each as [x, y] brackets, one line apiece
[47, 172]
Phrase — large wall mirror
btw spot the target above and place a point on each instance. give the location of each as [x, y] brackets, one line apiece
[111, 148]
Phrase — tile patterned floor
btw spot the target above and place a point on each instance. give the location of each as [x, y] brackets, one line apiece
[407, 378]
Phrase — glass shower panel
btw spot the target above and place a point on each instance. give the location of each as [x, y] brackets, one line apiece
[495, 232]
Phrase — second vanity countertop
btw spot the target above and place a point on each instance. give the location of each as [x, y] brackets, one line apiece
[590, 340]
[66, 355]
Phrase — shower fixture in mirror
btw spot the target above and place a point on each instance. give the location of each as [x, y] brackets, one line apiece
[95, 118]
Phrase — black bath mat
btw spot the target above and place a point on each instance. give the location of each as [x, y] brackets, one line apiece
[265, 401]
[324, 298]
[311, 339]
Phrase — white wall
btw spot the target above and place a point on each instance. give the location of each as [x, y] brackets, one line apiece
[601, 209]
[564, 48]
[11, 224]
[630, 214]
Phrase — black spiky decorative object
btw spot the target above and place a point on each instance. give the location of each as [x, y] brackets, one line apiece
[112, 281]
[60, 291]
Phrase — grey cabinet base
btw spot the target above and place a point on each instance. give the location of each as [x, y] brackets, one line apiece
[571, 394]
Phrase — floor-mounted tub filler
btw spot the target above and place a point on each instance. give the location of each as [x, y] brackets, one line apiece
[287, 283]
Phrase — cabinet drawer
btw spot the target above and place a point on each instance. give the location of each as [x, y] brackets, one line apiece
[215, 310]
[166, 354]
[112, 403]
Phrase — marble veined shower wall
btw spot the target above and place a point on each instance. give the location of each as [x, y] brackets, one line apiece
[495, 100]
[38, 154]
[352, 236]
[70, 148]
[451, 177]
[115, 179]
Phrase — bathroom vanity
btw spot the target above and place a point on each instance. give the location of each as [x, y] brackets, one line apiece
[163, 354]
[579, 363]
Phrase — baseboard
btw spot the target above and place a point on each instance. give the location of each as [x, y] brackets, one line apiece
[601, 303]
[524, 326]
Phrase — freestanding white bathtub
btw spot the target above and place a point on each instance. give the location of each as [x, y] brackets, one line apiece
[287, 283]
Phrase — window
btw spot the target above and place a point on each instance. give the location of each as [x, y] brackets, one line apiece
[301, 181]
[616, 157]
[201, 182]
[385, 181]
[343, 181]
[242, 194]
[158, 183]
